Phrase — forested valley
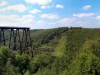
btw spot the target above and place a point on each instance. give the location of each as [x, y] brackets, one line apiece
[58, 51]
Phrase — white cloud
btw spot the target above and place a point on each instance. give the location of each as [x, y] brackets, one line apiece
[44, 7]
[4, 3]
[59, 6]
[84, 15]
[40, 2]
[98, 17]
[86, 7]
[87, 24]
[70, 22]
[65, 20]
[29, 21]
[50, 16]
[34, 11]
[15, 20]
[18, 8]
[28, 17]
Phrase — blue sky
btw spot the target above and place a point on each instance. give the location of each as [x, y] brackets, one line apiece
[44, 14]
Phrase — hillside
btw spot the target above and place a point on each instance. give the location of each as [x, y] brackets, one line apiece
[59, 51]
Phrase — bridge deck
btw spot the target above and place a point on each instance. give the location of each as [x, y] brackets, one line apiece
[14, 28]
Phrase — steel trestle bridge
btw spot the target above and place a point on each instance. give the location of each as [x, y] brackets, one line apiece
[15, 38]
